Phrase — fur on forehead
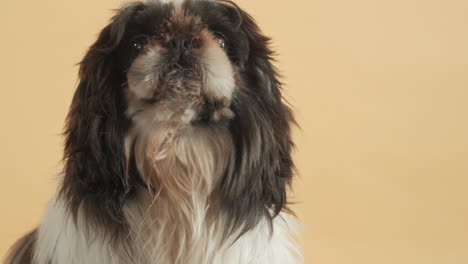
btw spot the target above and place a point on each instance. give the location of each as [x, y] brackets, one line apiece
[168, 1]
[176, 2]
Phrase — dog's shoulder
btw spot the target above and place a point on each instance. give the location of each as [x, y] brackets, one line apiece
[23, 250]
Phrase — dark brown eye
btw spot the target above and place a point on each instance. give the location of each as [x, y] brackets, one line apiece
[221, 39]
[139, 42]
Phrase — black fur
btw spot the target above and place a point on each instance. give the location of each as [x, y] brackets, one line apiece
[261, 132]
[95, 179]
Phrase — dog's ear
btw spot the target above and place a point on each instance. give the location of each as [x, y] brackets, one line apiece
[257, 187]
[94, 173]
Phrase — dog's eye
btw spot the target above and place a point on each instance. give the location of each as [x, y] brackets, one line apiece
[139, 42]
[221, 39]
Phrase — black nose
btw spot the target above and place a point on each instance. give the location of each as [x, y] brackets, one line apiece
[180, 43]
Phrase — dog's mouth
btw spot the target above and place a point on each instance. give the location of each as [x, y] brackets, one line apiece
[184, 88]
[181, 94]
[180, 82]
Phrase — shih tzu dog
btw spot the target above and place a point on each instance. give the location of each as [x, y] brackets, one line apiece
[178, 146]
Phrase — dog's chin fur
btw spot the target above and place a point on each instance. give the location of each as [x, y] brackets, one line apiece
[173, 158]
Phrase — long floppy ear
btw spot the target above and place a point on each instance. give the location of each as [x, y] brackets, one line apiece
[261, 129]
[94, 179]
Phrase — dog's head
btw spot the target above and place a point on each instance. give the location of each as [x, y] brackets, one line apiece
[166, 72]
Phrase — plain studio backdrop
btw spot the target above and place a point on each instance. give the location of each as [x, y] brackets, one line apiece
[380, 89]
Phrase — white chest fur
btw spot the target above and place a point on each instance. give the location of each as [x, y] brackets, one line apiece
[60, 241]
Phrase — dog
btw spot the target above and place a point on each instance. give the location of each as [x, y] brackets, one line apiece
[178, 146]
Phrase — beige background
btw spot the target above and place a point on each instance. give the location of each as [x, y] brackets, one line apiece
[380, 90]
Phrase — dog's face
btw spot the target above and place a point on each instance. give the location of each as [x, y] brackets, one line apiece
[182, 60]
[175, 88]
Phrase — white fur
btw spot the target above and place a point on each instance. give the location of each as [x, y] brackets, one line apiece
[219, 77]
[175, 2]
[61, 241]
[144, 83]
